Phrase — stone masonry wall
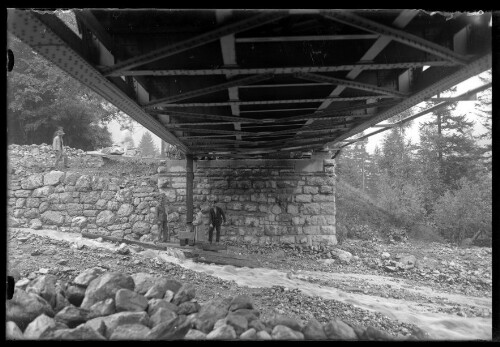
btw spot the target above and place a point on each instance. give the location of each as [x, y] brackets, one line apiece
[75, 202]
[265, 201]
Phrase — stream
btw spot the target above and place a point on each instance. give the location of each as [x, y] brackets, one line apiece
[439, 325]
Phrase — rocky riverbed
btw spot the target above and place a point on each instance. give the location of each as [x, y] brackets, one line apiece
[299, 297]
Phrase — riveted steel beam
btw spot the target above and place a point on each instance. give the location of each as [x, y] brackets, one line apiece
[348, 83]
[178, 47]
[359, 22]
[208, 90]
[306, 38]
[282, 70]
[271, 102]
[474, 68]
[205, 116]
[48, 42]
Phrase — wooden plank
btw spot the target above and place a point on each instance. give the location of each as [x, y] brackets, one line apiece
[130, 242]
[185, 235]
[224, 259]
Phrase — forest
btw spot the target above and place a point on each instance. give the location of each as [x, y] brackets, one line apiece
[444, 181]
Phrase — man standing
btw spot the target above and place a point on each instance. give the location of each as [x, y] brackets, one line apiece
[162, 216]
[58, 146]
[217, 218]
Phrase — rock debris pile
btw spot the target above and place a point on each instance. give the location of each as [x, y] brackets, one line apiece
[27, 159]
[102, 305]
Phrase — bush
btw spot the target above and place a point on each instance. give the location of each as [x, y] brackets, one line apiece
[462, 213]
[402, 200]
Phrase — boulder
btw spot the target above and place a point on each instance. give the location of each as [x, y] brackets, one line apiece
[408, 261]
[80, 333]
[338, 330]
[117, 319]
[130, 332]
[157, 291]
[257, 325]
[61, 302]
[279, 319]
[38, 326]
[249, 314]
[173, 329]
[263, 335]
[188, 307]
[185, 293]
[314, 331]
[143, 281]
[106, 286]
[88, 275]
[374, 334]
[282, 332]
[241, 301]
[194, 334]
[385, 255]
[172, 285]
[225, 332]
[169, 295]
[75, 295]
[250, 334]
[238, 322]
[72, 316]
[155, 304]
[128, 300]
[45, 286]
[24, 307]
[12, 331]
[161, 315]
[210, 313]
[341, 255]
[103, 308]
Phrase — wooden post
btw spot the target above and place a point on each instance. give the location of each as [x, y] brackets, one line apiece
[189, 193]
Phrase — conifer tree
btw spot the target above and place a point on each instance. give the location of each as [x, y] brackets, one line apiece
[147, 146]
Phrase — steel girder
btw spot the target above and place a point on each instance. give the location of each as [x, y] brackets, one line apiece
[395, 34]
[475, 67]
[282, 70]
[208, 90]
[199, 40]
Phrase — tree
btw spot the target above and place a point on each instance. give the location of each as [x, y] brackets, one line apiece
[463, 212]
[483, 110]
[41, 97]
[128, 140]
[147, 146]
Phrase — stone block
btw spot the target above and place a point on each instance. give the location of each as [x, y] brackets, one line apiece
[311, 230]
[323, 198]
[310, 190]
[310, 209]
[303, 198]
[53, 178]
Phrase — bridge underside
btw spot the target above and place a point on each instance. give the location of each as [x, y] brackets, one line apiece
[261, 84]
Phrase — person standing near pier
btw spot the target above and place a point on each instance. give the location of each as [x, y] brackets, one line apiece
[217, 218]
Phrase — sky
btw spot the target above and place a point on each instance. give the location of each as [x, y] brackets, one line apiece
[373, 141]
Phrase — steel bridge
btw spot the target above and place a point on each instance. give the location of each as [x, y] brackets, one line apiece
[261, 83]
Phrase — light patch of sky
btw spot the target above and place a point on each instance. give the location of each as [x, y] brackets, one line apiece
[117, 135]
[463, 107]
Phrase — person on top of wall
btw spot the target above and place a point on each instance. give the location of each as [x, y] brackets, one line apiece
[217, 218]
[58, 146]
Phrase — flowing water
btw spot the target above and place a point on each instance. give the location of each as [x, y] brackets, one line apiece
[439, 325]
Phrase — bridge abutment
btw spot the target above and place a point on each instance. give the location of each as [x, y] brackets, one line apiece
[265, 201]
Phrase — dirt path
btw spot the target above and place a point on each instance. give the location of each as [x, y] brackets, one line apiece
[412, 310]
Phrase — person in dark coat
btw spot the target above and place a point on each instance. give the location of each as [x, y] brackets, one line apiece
[217, 218]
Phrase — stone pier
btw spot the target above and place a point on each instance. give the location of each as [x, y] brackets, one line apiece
[265, 201]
